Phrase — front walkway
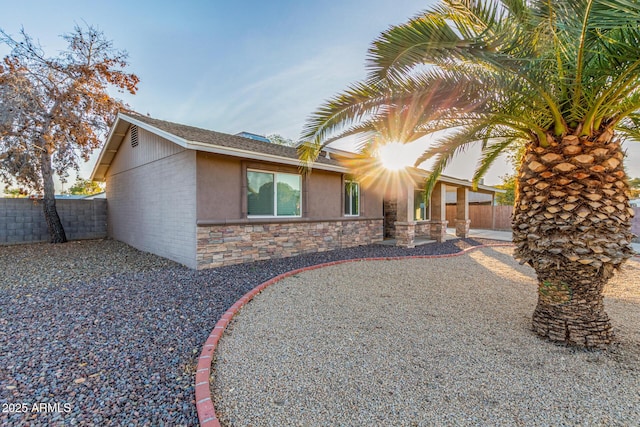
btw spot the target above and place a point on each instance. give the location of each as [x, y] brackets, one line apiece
[506, 236]
[477, 233]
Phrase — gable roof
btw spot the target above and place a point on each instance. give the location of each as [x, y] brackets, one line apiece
[194, 138]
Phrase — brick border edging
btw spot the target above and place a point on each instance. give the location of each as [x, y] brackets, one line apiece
[206, 412]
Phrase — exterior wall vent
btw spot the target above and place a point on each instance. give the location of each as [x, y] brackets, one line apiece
[134, 136]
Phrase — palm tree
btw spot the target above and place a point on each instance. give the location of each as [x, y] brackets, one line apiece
[557, 79]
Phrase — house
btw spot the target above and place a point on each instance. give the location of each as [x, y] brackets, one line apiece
[207, 199]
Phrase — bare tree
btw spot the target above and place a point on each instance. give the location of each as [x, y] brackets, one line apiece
[55, 110]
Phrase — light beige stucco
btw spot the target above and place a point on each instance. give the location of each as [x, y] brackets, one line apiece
[221, 197]
[324, 195]
[219, 184]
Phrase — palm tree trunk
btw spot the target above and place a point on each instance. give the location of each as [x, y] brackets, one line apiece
[570, 305]
[572, 224]
[56, 230]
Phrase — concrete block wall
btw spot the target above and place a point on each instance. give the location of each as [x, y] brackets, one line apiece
[22, 220]
[153, 207]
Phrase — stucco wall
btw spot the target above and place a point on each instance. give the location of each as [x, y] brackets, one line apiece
[226, 236]
[219, 184]
[371, 201]
[325, 195]
[220, 196]
[22, 220]
[152, 198]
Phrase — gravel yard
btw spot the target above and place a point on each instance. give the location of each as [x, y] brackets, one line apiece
[98, 333]
[444, 341]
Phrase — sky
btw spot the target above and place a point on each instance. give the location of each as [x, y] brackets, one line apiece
[233, 66]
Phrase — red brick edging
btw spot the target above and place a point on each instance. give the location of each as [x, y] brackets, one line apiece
[206, 411]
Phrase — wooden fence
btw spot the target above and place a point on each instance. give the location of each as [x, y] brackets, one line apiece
[484, 216]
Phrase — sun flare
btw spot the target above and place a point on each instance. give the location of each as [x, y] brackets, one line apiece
[395, 156]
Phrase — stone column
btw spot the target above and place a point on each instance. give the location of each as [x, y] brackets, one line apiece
[462, 213]
[390, 217]
[405, 224]
[438, 205]
[406, 234]
[462, 228]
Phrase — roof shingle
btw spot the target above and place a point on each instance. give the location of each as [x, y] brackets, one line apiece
[194, 134]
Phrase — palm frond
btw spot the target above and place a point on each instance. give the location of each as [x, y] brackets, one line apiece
[443, 153]
[418, 98]
[491, 153]
[493, 72]
[629, 127]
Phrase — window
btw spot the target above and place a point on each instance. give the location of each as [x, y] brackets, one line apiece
[267, 199]
[351, 198]
[421, 206]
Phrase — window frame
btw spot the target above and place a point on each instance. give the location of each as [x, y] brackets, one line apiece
[350, 204]
[275, 193]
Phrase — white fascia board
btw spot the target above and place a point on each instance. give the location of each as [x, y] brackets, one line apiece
[105, 147]
[123, 117]
[465, 183]
[340, 152]
[246, 154]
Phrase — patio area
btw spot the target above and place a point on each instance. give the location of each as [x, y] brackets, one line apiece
[503, 236]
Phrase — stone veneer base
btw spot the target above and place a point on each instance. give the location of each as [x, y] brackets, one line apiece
[462, 228]
[405, 234]
[227, 244]
[438, 230]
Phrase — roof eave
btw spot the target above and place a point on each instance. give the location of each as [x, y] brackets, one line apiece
[113, 139]
[247, 154]
[422, 173]
[118, 132]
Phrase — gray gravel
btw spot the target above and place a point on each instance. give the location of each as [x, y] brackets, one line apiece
[113, 333]
[421, 343]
